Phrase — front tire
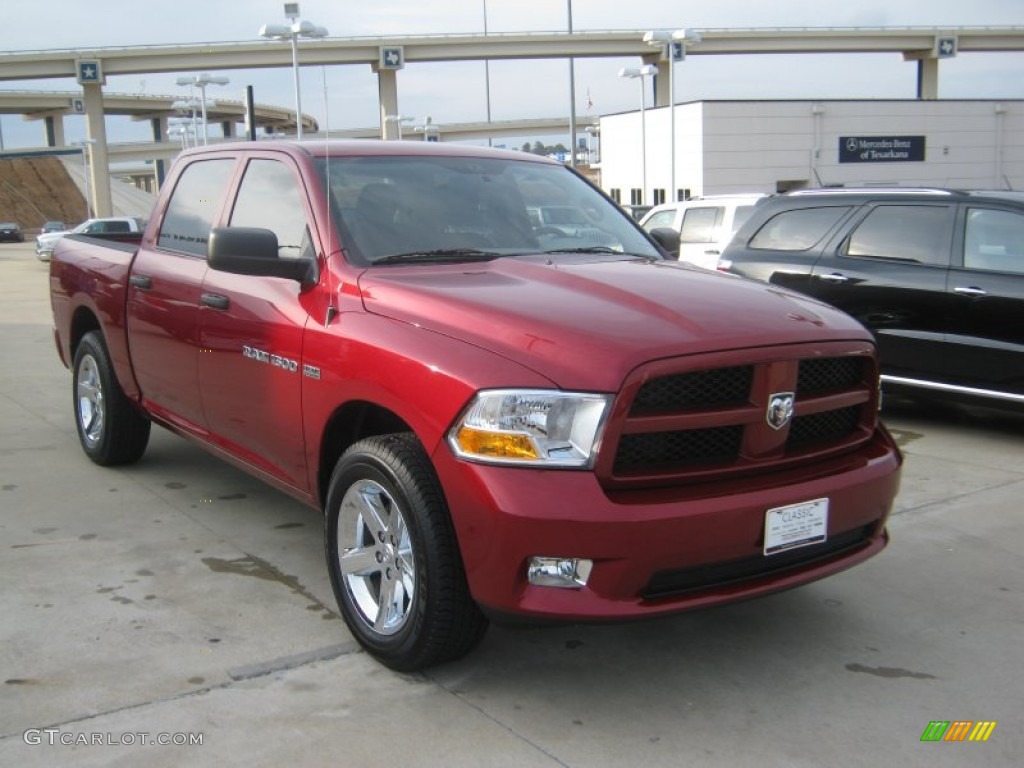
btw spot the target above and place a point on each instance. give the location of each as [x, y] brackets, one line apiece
[111, 430]
[393, 559]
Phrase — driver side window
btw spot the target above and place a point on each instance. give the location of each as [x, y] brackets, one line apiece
[269, 198]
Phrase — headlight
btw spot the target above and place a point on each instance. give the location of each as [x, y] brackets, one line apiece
[530, 427]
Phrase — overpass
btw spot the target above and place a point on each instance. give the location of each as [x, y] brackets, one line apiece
[925, 46]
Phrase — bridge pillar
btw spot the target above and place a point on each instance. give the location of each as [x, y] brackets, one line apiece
[54, 127]
[662, 93]
[99, 167]
[387, 87]
[159, 135]
[928, 79]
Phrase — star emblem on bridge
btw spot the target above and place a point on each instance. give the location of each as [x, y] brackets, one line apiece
[392, 58]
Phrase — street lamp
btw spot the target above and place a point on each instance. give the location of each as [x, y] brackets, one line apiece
[201, 81]
[86, 146]
[428, 129]
[398, 119]
[639, 73]
[192, 107]
[673, 47]
[298, 28]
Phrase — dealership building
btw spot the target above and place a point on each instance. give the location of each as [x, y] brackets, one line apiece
[728, 147]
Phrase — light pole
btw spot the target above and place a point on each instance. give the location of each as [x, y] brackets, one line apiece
[639, 73]
[398, 120]
[428, 129]
[191, 106]
[86, 146]
[201, 81]
[298, 28]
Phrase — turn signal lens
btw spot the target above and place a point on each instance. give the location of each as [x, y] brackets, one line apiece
[530, 427]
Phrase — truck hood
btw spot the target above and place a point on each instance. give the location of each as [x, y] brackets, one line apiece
[585, 321]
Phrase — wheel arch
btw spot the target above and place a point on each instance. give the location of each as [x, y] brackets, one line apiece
[83, 321]
[348, 424]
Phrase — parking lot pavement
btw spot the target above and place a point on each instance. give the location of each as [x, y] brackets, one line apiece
[183, 600]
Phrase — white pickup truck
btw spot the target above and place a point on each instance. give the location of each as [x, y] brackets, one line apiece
[108, 227]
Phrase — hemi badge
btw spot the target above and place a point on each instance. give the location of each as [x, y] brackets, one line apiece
[311, 370]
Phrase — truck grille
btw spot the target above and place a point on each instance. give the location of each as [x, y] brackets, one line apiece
[683, 421]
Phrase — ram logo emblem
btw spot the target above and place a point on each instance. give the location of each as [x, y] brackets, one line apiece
[780, 409]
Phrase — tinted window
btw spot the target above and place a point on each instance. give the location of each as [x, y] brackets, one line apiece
[740, 216]
[269, 198]
[193, 206]
[994, 240]
[797, 230]
[700, 225]
[116, 226]
[915, 233]
[388, 207]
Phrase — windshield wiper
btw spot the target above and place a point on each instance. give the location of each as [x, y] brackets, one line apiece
[602, 249]
[440, 255]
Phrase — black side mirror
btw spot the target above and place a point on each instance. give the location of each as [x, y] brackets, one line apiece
[667, 238]
[254, 251]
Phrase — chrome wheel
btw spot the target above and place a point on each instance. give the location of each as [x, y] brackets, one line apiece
[375, 557]
[89, 395]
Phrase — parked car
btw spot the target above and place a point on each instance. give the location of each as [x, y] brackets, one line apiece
[111, 227]
[11, 232]
[936, 274]
[705, 224]
[54, 226]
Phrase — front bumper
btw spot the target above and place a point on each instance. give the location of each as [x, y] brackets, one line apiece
[657, 551]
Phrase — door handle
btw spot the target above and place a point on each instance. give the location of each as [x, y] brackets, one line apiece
[140, 281]
[714, 252]
[970, 291]
[215, 300]
[834, 277]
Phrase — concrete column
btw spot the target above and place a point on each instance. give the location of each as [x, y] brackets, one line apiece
[99, 165]
[387, 86]
[662, 92]
[159, 135]
[928, 79]
[227, 128]
[54, 127]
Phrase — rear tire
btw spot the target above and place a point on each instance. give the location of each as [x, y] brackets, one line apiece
[111, 430]
[393, 559]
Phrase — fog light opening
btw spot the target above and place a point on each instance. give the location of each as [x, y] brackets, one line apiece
[561, 572]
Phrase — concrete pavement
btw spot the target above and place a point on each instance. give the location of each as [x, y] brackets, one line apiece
[181, 599]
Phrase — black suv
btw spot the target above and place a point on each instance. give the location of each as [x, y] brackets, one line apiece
[936, 274]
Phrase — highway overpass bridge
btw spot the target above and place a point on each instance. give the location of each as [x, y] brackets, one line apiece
[925, 46]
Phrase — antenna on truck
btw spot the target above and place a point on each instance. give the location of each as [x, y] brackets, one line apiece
[332, 310]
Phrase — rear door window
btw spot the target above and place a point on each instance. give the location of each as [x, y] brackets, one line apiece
[799, 229]
[994, 240]
[914, 233]
[194, 204]
[700, 225]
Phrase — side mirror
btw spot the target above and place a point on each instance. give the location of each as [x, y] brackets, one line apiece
[254, 251]
[667, 238]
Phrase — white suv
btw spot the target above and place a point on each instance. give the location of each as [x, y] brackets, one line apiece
[705, 224]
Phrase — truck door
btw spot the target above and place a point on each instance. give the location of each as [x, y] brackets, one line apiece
[163, 295]
[251, 332]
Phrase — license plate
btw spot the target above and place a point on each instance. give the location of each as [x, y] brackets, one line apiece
[795, 525]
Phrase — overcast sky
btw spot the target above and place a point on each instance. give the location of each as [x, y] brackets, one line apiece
[456, 92]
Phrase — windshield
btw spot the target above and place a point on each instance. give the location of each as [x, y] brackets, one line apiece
[392, 209]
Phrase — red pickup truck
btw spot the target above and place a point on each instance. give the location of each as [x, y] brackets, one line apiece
[497, 418]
